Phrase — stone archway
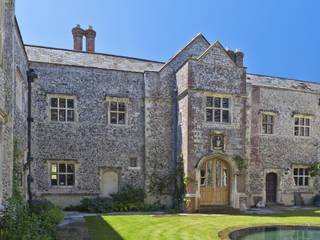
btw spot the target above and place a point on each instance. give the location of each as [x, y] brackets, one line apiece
[216, 177]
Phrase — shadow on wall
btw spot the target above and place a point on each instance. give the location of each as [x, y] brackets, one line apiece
[99, 229]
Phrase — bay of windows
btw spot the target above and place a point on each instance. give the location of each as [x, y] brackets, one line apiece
[218, 109]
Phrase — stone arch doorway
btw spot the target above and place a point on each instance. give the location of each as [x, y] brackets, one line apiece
[271, 187]
[109, 183]
[215, 182]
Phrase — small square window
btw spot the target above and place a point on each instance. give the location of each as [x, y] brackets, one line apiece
[62, 109]
[302, 126]
[217, 109]
[133, 162]
[117, 112]
[62, 174]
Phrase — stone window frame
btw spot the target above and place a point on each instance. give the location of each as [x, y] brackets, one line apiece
[267, 113]
[137, 167]
[63, 96]
[50, 162]
[229, 109]
[19, 82]
[303, 176]
[124, 100]
[303, 126]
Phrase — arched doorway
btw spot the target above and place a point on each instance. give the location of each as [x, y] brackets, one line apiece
[109, 183]
[214, 182]
[271, 187]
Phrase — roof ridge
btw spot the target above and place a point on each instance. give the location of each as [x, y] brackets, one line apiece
[283, 78]
[96, 53]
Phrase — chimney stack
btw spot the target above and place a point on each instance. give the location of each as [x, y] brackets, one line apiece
[231, 54]
[77, 33]
[90, 39]
[239, 58]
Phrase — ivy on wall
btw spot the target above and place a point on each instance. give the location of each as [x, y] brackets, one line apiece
[240, 162]
[315, 169]
[17, 169]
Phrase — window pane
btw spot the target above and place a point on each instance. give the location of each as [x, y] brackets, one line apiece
[54, 115]
[62, 179]
[296, 121]
[113, 106]
[122, 107]
[209, 116]
[210, 168]
[217, 102]
[296, 131]
[225, 116]
[54, 102]
[269, 129]
[301, 171]
[264, 119]
[265, 128]
[301, 131]
[70, 103]
[295, 171]
[218, 173]
[53, 168]
[225, 103]
[70, 168]
[296, 181]
[121, 118]
[113, 118]
[70, 115]
[301, 121]
[306, 181]
[308, 122]
[270, 119]
[62, 167]
[62, 115]
[217, 115]
[62, 102]
[54, 180]
[307, 131]
[300, 181]
[70, 180]
[306, 172]
[209, 102]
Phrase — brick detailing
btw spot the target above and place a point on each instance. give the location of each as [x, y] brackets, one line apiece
[77, 33]
[90, 35]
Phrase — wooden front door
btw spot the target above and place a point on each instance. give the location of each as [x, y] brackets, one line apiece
[214, 183]
[271, 187]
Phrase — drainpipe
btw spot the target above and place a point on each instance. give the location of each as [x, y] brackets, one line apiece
[31, 77]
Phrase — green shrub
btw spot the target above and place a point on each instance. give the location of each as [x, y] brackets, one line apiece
[37, 222]
[128, 194]
[95, 205]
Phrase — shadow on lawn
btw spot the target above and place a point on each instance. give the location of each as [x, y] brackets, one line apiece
[100, 229]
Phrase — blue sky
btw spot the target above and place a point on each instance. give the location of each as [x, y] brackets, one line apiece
[278, 37]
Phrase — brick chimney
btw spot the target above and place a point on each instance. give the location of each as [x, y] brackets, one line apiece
[239, 58]
[77, 33]
[90, 39]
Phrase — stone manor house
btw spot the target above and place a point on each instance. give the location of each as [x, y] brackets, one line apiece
[102, 121]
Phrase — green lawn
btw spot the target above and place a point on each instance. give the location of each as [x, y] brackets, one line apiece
[173, 227]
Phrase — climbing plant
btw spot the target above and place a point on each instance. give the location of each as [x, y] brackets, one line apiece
[17, 168]
[180, 184]
[315, 169]
[240, 162]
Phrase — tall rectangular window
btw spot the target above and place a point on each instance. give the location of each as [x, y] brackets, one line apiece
[62, 174]
[62, 109]
[267, 124]
[302, 126]
[117, 112]
[301, 176]
[218, 109]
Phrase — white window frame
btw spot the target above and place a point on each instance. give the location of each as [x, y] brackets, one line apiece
[118, 100]
[303, 176]
[58, 108]
[221, 108]
[303, 126]
[58, 173]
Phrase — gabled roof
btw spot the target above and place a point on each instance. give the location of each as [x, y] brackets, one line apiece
[212, 47]
[85, 59]
[198, 37]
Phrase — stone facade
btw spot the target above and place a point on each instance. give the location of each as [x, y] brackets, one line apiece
[13, 67]
[164, 112]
